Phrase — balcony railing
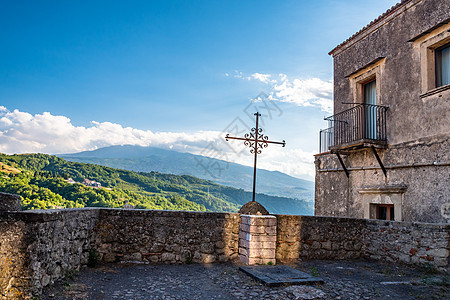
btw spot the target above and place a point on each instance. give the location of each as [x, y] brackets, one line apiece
[362, 123]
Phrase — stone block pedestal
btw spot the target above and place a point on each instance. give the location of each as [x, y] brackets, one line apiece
[257, 239]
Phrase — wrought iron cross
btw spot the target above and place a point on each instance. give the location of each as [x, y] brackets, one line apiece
[256, 140]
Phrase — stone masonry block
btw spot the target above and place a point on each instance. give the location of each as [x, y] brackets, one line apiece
[261, 253]
[257, 229]
[244, 243]
[254, 261]
[244, 259]
[263, 221]
[438, 252]
[263, 238]
[243, 251]
[261, 261]
[271, 230]
[257, 245]
[269, 245]
[244, 227]
[245, 219]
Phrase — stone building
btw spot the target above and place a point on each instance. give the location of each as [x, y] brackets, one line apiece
[385, 154]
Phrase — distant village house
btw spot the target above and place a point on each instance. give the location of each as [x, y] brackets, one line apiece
[91, 183]
[71, 181]
[86, 182]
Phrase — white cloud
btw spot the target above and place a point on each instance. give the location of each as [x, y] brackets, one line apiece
[292, 161]
[302, 92]
[266, 78]
[21, 132]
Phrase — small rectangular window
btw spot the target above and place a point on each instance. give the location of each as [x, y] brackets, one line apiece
[385, 212]
[443, 65]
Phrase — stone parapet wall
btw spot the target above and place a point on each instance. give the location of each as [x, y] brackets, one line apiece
[10, 202]
[309, 237]
[167, 236]
[411, 243]
[14, 259]
[39, 247]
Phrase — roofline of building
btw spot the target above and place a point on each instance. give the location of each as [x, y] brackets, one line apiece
[371, 25]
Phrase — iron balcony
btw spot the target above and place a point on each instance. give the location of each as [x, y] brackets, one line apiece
[361, 126]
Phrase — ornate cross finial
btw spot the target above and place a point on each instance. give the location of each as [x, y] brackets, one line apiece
[256, 140]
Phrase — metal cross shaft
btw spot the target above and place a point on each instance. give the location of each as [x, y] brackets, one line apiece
[256, 140]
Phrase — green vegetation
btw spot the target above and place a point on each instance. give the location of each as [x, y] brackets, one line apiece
[40, 180]
[147, 159]
[314, 272]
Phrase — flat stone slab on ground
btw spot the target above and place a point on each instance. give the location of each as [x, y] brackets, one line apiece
[279, 275]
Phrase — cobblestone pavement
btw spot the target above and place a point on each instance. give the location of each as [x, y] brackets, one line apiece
[343, 280]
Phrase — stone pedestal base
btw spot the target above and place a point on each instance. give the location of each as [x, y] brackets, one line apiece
[257, 239]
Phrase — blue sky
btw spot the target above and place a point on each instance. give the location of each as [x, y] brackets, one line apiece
[167, 70]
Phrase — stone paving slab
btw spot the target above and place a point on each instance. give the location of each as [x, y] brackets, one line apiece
[353, 280]
[279, 275]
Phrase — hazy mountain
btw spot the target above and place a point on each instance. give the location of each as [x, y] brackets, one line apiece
[147, 159]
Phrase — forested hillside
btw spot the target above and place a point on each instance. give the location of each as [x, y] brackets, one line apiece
[147, 159]
[41, 181]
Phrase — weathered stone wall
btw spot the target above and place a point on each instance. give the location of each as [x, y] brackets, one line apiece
[411, 243]
[422, 168]
[167, 236]
[61, 244]
[14, 258]
[308, 237]
[39, 247]
[10, 202]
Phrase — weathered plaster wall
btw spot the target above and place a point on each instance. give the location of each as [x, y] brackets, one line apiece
[167, 236]
[418, 127]
[422, 167]
[409, 117]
